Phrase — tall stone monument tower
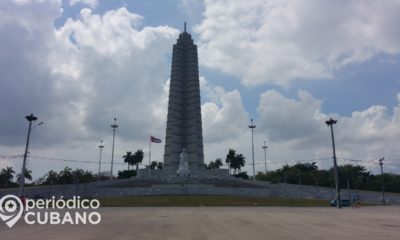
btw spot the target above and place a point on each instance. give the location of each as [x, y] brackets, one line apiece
[184, 127]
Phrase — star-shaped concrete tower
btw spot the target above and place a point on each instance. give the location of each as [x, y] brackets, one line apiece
[184, 126]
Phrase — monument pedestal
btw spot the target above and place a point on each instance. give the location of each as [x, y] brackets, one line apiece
[197, 174]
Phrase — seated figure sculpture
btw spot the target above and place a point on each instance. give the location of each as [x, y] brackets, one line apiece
[183, 169]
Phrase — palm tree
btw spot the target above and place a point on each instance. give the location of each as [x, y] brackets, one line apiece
[230, 158]
[128, 158]
[210, 165]
[78, 175]
[137, 158]
[218, 163]
[51, 177]
[65, 176]
[88, 177]
[7, 175]
[350, 175]
[306, 171]
[28, 175]
[215, 164]
[240, 160]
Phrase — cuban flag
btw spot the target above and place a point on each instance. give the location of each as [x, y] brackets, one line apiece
[155, 140]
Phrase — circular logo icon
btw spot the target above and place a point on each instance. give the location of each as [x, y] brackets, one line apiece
[11, 209]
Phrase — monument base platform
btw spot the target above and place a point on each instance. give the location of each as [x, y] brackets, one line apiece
[169, 175]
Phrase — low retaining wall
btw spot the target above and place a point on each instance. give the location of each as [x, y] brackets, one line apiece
[265, 189]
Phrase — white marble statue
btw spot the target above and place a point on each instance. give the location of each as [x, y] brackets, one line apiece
[183, 169]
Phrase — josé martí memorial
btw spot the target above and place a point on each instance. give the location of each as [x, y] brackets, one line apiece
[184, 171]
[183, 150]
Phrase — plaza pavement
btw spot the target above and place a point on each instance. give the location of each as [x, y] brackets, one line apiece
[382, 222]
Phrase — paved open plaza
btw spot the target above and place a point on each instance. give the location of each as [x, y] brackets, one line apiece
[224, 223]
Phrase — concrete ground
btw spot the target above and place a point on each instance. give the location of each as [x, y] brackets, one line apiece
[223, 223]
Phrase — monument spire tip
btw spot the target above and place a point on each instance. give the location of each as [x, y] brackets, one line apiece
[184, 27]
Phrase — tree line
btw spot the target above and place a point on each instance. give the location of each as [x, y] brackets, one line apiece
[7, 177]
[68, 176]
[65, 176]
[350, 177]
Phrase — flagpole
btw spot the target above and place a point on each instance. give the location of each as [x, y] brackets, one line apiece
[149, 154]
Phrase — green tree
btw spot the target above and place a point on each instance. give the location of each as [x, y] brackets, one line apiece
[239, 162]
[7, 175]
[306, 173]
[87, 176]
[230, 157]
[128, 158]
[350, 175]
[218, 163]
[65, 176]
[126, 174]
[235, 161]
[326, 178]
[160, 165]
[28, 175]
[242, 175]
[210, 165]
[50, 178]
[82, 176]
[153, 165]
[137, 158]
[215, 164]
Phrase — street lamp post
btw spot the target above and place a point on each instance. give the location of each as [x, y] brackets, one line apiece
[330, 123]
[383, 182]
[30, 119]
[101, 146]
[265, 156]
[113, 126]
[252, 126]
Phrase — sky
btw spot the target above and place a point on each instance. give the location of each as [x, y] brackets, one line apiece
[289, 65]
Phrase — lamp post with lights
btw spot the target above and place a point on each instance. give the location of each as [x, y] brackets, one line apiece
[383, 181]
[101, 146]
[252, 127]
[113, 126]
[330, 124]
[31, 118]
[265, 156]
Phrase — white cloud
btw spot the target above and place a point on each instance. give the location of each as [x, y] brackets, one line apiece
[78, 77]
[279, 41]
[27, 82]
[91, 3]
[193, 9]
[300, 126]
[286, 119]
[225, 122]
[120, 67]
